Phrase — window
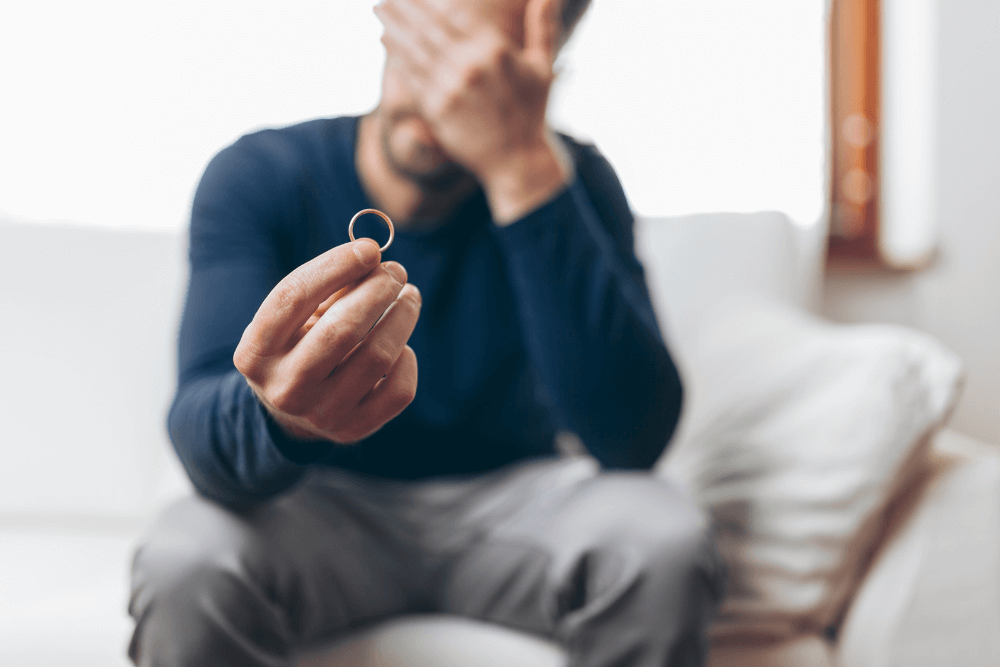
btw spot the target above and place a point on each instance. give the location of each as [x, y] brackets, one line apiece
[883, 203]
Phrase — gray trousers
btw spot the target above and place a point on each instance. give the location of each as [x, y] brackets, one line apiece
[617, 567]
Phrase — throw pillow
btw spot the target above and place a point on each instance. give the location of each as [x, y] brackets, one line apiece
[796, 435]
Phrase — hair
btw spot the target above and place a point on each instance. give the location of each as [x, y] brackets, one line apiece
[572, 10]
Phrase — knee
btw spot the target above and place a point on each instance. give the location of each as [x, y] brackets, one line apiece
[189, 558]
[199, 570]
[661, 537]
[685, 560]
[679, 553]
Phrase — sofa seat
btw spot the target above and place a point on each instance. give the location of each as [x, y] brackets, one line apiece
[932, 593]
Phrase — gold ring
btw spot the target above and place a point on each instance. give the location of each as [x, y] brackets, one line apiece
[392, 232]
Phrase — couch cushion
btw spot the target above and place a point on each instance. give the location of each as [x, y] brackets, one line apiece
[64, 593]
[796, 434]
[695, 262]
[436, 641]
[89, 355]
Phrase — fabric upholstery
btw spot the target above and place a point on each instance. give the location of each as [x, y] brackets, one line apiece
[797, 434]
[932, 596]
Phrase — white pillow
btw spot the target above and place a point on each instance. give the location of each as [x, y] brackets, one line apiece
[796, 434]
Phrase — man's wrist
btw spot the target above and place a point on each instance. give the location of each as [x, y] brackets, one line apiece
[297, 433]
[527, 179]
[285, 425]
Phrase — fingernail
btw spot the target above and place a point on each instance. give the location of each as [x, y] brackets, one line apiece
[366, 250]
[397, 271]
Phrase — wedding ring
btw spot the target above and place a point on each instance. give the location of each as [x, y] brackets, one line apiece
[392, 232]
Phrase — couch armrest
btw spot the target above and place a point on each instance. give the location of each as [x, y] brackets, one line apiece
[932, 597]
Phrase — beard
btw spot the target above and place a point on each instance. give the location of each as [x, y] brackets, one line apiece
[423, 164]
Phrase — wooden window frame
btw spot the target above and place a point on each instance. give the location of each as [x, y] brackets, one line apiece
[855, 116]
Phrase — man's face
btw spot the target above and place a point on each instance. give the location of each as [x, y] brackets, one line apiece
[407, 141]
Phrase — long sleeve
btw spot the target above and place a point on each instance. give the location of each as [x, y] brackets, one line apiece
[232, 450]
[544, 322]
[588, 322]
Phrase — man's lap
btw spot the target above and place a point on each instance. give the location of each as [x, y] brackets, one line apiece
[343, 550]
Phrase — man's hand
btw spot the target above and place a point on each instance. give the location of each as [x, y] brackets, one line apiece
[326, 352]
[483, 95]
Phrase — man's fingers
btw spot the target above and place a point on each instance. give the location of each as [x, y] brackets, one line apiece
[403, 39]
[542, 31]
[322, 308]
[296, 297]
[458, 17]
[429, 25]
[389, 397]
[346, 323]
[378, 352]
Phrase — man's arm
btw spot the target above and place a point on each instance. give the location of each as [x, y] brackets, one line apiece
[230, 449]
[588, 321]
[275, 368]
[584, 309]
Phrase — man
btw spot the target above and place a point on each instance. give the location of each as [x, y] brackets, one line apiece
[339, 491]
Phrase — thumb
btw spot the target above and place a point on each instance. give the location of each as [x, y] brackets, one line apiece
[542, 30]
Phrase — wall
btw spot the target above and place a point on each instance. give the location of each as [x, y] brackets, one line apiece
[701, 105]
[957, 298]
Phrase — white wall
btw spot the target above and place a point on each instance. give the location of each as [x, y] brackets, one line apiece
[958, 297]
[112, 108]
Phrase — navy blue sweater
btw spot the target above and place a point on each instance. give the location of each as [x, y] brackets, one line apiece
[542, 325]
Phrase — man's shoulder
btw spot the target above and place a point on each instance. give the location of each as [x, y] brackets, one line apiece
[291, 145]
[267, 164]
[587, 158]
[601, 182]
[262, 172]
[578, 147]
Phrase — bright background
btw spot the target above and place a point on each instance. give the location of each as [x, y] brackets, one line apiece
[108, 115]
[111, 110]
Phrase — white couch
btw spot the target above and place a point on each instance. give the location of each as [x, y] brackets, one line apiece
[89, 318]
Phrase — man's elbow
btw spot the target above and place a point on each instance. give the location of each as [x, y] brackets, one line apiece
[647, 438]
[212, 478]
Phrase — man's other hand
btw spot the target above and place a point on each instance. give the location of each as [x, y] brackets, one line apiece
[326, 352]
[483, 92]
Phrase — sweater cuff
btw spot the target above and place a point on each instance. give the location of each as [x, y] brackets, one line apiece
[301, 452]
